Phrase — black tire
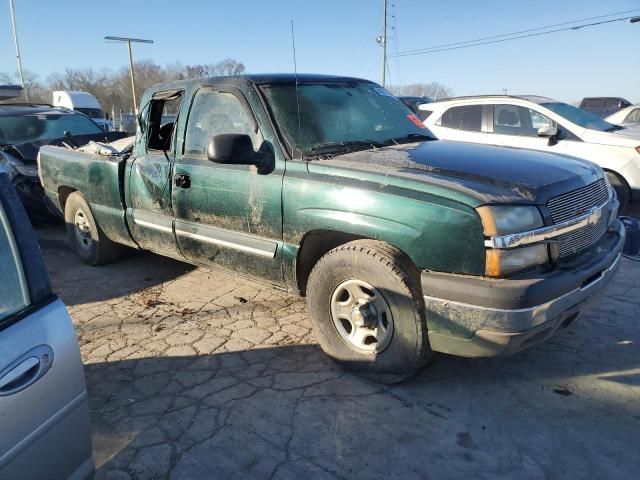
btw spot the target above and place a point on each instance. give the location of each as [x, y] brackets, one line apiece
[89, 243]
[621, 188]
[393, 275]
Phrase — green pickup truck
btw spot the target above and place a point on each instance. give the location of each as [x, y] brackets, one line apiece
[329, 186]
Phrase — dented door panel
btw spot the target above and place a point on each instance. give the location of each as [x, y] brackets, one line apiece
[149, 212]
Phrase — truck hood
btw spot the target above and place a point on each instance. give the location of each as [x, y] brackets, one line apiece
[28, 152]
[467, 172]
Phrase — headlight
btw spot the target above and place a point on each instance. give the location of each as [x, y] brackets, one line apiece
[26, 170]
[14, 166]
[500, 263]
[503, 220]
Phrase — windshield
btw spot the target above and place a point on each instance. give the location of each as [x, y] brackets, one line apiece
[580, 117]
[336, 117]
[16, 129]
[91, 112]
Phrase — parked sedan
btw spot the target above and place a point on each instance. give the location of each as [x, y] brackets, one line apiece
[24, 128]
[541, 123]
[629, 116]
[44, 416]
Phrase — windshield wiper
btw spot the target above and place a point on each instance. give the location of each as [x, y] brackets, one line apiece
[332, 148]
[614, 128]
[411, 137]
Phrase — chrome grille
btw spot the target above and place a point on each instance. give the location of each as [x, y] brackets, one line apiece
[577, 202]
[578, 240]
[574, 204]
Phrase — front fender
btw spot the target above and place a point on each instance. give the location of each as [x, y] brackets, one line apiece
[440, 236]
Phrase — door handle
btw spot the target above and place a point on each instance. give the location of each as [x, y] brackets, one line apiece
[26, 370]
[182, 180]
[19, 374]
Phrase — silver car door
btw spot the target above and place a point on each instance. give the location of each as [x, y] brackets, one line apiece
[44, 418]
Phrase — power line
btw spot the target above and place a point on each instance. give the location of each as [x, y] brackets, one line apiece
[513, 36]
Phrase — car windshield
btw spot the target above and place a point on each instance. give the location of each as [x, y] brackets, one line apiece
[91, 112]
[337, 117]
[580, 117]
[16, 129]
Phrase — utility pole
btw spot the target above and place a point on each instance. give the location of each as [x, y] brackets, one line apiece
[384, 44]
[133, 78]
[382, 41]
[15, 39]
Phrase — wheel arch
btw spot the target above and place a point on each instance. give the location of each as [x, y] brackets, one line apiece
[63, 195]
[315, 244]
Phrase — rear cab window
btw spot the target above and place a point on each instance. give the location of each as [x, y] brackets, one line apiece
[159, 119]
[467, 117]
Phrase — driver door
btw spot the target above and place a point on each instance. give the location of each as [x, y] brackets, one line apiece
[227, 215]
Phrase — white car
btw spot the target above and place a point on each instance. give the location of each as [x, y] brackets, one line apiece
[627, 116]
[540, 123]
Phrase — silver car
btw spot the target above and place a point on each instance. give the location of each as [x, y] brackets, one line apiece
[44, 416]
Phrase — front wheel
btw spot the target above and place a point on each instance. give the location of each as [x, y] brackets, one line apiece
[85, 235]
[367, 310]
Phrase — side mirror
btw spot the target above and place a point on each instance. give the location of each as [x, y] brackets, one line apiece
[231, 148]
[547, 132]
[236, 148]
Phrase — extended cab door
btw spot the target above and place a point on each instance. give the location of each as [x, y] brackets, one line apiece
[228, 215]
[44, 416]
[148, 177]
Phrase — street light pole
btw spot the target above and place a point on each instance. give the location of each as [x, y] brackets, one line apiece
[15, 39]
[131, 72]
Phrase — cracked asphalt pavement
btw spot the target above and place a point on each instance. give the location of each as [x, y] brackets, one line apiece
[195, 374]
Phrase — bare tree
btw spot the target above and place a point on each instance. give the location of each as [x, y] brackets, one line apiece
[228, 66]
[32, 87]
[433, 90]
[113, 88]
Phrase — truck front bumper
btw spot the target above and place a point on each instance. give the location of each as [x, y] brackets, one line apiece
[483, 317]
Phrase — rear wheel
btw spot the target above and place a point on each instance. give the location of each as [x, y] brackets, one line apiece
[621, 188]
[367, 310]
[85, 235]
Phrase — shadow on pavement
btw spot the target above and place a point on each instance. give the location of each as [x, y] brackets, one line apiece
[289, 412]
[77, 282]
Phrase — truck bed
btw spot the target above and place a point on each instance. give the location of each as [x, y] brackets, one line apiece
[99, 178]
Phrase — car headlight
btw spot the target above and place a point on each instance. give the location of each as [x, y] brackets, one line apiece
[500, 263]
[26, 170]
[14, 166]
[504, 220]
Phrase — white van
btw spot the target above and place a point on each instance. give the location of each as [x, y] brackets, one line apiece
[82, 102]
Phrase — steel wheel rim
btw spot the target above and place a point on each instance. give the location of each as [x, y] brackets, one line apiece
[361, 316]
[82, 229]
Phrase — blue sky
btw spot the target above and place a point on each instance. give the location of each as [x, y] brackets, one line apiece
[338, 36]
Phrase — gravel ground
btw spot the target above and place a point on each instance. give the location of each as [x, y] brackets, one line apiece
[196, 374]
